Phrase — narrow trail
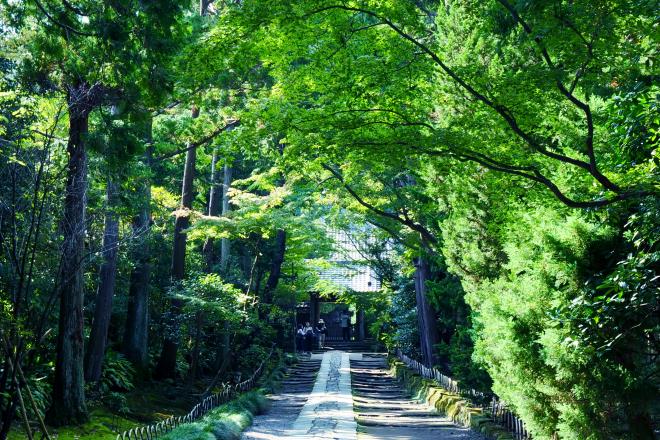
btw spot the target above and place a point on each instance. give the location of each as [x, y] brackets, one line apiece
[384, 409]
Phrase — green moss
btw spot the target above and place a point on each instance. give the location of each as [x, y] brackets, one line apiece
[102, 425]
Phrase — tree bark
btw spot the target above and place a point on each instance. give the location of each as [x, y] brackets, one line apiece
[68, 403]
[225, 244]
[425, 317]
[166, 367]
[136, 333]
[194, 362]
[215, 200]
[106, 290]
[222, 353]
[276, 266]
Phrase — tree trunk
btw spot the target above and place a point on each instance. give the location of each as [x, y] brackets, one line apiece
[225, 244]
[223, 353]
[222, 348]
[8, 414]
[215, 199]
[166, 367]
[194, 363]
[425, 316]
[68, 403]
[276, 266]
[362, 329]
[106, 290]
[136, 333]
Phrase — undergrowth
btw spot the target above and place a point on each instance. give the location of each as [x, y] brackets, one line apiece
[225, 422]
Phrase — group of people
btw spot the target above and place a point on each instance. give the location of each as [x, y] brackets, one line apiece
[308, 337]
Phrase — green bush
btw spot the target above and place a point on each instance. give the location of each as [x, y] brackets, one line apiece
[225, 422]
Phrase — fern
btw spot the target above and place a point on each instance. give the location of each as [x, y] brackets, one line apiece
[118, 373]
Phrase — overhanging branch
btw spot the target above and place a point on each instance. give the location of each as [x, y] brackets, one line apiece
[206, 139]
[503, 111]
[426, 234]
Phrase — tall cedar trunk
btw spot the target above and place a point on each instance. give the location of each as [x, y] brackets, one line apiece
[68, 403]
[215, 199]
[166, 367]
[362, 329]
[8, 413]
[223, 344]
[425, 316]
[276, 266]
[225, 244]
[136, 333]
[278, 254]
[210, 255]
[106, 289]
[194, 363]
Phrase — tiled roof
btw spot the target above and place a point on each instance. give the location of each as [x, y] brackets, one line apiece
[349, 271]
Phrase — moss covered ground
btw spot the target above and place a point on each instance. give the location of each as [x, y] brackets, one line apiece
[149, 403]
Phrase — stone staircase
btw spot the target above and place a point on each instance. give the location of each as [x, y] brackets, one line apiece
[285, 405]
[384, 409]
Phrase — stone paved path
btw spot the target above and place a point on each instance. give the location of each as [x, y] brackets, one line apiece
[328, 413]
[385, 410]
[316, 403]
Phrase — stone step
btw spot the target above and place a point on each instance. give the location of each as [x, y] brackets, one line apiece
[399, 414]
[386, 402]
[384, 409]
[375, 386]
[382, 395]
[401, 422]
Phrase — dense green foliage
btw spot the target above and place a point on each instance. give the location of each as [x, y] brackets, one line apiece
[503, 152]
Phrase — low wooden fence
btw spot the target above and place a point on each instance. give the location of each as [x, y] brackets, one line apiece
[497, 409]
[228, 392]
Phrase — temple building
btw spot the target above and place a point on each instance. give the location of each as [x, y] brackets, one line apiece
[348, 272]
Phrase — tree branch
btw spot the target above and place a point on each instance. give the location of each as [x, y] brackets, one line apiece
[583, 106]
[426, 234]
[200, 142]
[64, 26]
[502, 110]
[536, 176]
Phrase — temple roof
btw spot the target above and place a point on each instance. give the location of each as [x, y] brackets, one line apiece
[350, 270]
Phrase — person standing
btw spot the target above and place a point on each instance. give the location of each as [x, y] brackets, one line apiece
[300, 337]
[321, 330]
[309, 337]
[345, 329]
